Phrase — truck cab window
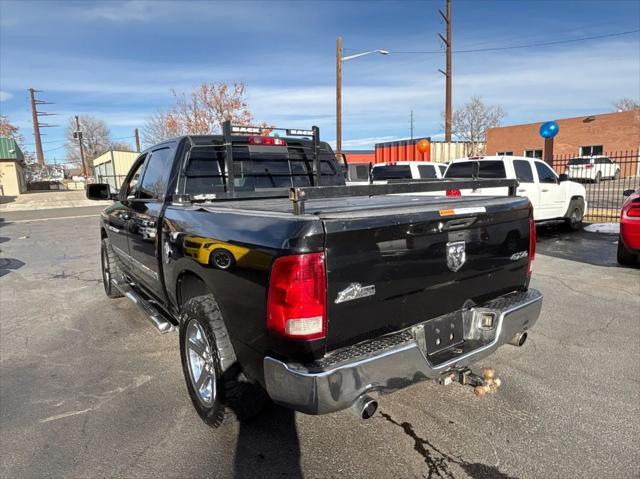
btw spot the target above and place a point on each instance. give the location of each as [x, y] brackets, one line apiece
[427, 171]
[156, 177]
[391, 172]
[486, 169]
[545, 174]
[524, 174]
[131, 188]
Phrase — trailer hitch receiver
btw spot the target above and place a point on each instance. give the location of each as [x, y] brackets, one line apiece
[487, 383]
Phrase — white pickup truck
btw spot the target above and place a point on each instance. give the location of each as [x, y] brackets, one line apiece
[553, 197]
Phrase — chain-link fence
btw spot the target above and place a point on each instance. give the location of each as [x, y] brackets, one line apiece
[605, 177]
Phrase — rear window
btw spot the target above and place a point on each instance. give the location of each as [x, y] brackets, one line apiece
[580, 161]
[427, 171]
[486, 169]
[391, 172]
[267, 168]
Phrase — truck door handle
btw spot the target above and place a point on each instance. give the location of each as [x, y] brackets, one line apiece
[544, 191]
[521, 190]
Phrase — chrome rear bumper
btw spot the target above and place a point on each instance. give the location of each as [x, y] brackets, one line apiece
[395, 361]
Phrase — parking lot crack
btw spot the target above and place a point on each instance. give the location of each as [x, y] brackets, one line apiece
[438, 462]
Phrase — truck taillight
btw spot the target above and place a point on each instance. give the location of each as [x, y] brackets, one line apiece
[296, 303]
[588, 165]
[454, 192]
[532, 245]
[266, 140]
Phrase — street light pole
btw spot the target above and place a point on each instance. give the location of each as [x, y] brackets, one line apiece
[339, 96]
[339, 60]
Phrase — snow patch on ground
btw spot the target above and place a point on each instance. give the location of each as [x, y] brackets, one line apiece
[607, 228]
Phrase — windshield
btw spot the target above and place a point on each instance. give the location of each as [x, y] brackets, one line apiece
[486, 169]
[391, 172]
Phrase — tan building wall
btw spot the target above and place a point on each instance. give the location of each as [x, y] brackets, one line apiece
[12, 182]
[121, 160]
[616, 132]
[443, 152]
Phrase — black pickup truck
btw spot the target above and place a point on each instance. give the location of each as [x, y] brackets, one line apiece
[285, 284]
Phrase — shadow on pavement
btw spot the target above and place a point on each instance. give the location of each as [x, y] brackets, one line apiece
[268, 446]
[597, 249]
[7, 265]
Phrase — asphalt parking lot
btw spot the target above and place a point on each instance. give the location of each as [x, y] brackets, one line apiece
[89, 389]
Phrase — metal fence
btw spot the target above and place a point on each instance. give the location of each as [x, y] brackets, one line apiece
[605, 178]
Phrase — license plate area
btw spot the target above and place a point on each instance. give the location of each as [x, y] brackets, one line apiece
[440, 333]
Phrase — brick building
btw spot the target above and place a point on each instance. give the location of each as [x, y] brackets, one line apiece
[581, 136]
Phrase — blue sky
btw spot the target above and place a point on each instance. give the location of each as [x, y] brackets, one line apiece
[118, 60]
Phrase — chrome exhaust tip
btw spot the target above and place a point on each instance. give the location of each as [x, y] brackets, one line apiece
[365, 407]
[519, 339]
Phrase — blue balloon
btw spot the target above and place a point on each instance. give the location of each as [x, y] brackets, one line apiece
[549, 129]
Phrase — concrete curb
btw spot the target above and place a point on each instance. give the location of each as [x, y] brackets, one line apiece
[68, 204]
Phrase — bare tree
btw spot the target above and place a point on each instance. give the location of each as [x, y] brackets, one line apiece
[471, 122]
[159, 127]
[120, 146]
[8, 130]
[201, 112]
[95, 138]
[626, 104]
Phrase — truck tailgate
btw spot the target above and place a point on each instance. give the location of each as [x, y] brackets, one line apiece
[388, 269]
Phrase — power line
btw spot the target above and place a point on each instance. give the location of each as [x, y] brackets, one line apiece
[513, 47]
[54, 149]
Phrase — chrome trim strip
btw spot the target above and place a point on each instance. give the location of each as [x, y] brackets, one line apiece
[145, 269]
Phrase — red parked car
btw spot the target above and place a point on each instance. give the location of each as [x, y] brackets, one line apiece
[629, 240]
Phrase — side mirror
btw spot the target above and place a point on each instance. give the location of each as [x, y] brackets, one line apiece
[626, 193]
[563, 177]
[98, 191]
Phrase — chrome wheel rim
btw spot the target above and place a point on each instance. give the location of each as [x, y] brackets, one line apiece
[576, 217]
[106, 274]
[202, 371]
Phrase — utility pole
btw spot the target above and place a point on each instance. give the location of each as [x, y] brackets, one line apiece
[411, 125]
[137, 137]
[339, 96]
[36, 122]
[78, 135]
[447, 73]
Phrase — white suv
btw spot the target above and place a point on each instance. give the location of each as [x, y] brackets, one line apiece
[592, 168]
[407, 170]
[552, 196]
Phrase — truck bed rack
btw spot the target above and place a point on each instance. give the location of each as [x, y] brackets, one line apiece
[299, 195]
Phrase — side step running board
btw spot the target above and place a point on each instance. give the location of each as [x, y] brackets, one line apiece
[161, 323]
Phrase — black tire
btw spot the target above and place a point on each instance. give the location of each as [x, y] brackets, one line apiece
[110, 269]
[625, 257]
[598, 178]
[233, 397]
[575, 215]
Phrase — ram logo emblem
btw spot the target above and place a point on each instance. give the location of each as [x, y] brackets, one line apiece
[456, 255]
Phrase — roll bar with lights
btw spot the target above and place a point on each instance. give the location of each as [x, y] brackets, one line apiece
[299, 195]
[229, 131]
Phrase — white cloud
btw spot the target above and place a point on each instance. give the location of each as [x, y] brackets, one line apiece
[5, 95]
